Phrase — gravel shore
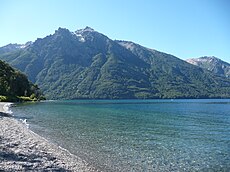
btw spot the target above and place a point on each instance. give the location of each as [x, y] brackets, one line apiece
[23, 150]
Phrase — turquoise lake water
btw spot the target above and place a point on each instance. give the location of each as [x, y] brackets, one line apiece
[137, 135]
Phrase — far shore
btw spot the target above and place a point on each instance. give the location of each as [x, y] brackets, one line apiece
[23, 150]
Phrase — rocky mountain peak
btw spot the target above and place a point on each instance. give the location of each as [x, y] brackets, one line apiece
[61, 30]
[210, 59]
[86, 30]
[89, 34]
[88, 64]
[14, 47]
[212, 64]
[204, 59]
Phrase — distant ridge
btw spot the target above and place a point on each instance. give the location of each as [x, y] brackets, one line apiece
[88, 64]
[13, 47]
[212, 64]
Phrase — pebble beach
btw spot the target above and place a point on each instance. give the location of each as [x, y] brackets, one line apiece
[23, 150]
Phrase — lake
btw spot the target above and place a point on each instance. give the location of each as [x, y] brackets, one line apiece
[137, 135]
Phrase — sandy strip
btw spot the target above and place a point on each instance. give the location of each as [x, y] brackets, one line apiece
[23, 150]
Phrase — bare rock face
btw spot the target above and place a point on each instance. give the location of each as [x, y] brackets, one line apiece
[212, 64]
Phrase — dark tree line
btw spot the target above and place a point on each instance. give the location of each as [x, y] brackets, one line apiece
[14, 83]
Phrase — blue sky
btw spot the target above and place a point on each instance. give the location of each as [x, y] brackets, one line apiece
[184, 28]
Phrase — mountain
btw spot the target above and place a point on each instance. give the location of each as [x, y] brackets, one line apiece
[88, 64]
[14, 86]
[13, 47]
[212, 64]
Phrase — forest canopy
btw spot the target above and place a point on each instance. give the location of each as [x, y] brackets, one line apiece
[14, 85]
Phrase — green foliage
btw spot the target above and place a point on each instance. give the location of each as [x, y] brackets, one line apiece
[14, 84]
[3, 99]
[26, 99]
[66, 68]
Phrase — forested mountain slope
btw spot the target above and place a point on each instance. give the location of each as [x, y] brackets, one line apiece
[14, 85]
[87, 64]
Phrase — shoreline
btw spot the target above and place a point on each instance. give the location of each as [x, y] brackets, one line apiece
[4, 107]
[22, 149]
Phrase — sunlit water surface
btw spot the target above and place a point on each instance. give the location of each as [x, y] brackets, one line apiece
[137, 135]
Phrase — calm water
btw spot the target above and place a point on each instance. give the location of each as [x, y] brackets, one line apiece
[137, 135]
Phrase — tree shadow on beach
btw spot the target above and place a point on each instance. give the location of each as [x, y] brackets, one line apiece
[29, 162]
[4, 115]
